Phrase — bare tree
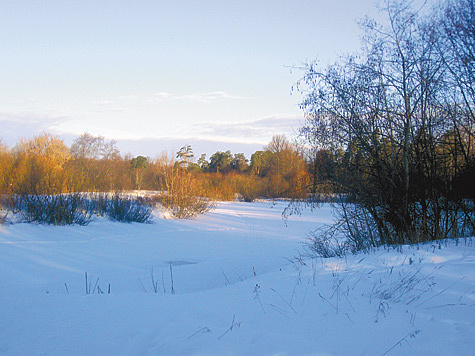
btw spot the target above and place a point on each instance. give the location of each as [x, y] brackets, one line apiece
[278, 144]
[456, 30]
[94, 147]
[382, 108]
[181, 193]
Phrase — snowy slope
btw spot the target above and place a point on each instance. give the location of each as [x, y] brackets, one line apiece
[235, 290]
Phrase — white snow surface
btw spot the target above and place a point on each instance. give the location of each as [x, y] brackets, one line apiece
[238, 290]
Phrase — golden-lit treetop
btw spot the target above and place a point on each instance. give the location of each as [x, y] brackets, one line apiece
[45, 145]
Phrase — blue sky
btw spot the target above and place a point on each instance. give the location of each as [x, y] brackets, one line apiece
[156, 75]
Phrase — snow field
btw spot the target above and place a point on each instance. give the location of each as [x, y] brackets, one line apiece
[236, 291]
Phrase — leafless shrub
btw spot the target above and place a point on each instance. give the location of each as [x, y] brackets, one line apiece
[59, 209]
[404, 286]
[128, 209]
[3, 218]
[325, 243]
[182, 194]
[353, 230]
[184, 207]
[77, 208]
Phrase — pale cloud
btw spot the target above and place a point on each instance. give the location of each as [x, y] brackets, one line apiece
[208, 137]
[212, 96]
[118, 104]
[107, 108]
[25, 125]
[250, 134]
[161, 96]
[258, 130]
[243, 136]
[104, 102]
[205, 97]
[123, 99]
[128, 97]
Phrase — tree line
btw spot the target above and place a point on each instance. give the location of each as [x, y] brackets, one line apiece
[45, 165]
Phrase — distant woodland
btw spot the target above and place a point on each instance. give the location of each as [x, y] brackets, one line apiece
[44, 165]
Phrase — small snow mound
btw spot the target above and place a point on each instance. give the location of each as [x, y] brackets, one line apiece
[161, 213]
[438, 259]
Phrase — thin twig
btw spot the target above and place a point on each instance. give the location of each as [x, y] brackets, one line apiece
[233, 324]
[163, 283]
[279, 310]
[286, 302]
[202, 330]
[171, 276]
[227, 283]
[139, 282]
[154, 282]
[258, 297]
[324, 299]
[95, 285]
[442, 291]
[410, 335]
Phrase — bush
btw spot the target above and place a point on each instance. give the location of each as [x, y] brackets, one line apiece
[183, 195]
[184, 206]
[61, 209]
[217, 186]
[128, 209]
[3, 213]
[3, 217]
[71, 209]
[249, 188]
[322, 243]
[353, 230]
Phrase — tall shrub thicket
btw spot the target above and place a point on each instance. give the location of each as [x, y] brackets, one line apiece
[393, 128]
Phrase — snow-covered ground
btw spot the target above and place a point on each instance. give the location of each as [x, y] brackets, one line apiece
[236, 291]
